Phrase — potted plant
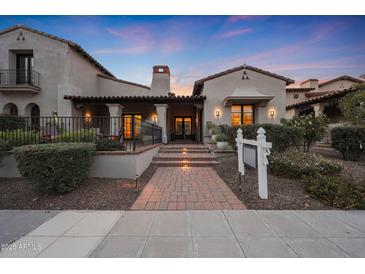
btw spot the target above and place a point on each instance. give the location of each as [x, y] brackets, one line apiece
[222, 143]
[209, 127]
[216, 130]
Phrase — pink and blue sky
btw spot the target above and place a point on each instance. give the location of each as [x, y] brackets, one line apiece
[299, 47]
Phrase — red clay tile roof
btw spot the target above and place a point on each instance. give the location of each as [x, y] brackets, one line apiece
[140, 99]
[331, 94]
[198, 86]
[298, 89]
[123, 81]
[343, 77]
[71, 44]
[316, 94]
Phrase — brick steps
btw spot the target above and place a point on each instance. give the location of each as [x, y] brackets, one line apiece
[185, 163]
[180, 155]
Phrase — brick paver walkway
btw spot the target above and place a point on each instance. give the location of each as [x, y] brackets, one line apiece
[183, 188]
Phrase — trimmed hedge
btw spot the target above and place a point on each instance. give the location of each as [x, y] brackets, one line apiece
[335, 191]
[296, 164]
[108, 145]
[55, 168]
[82, 135]
[350, 141]
[282, 137]
[20, 137]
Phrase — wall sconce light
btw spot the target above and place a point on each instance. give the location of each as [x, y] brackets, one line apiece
[87, 117]
[217, 114]
[272, 113]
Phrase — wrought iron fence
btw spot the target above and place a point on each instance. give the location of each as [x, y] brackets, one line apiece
[19, 77]
[129, 131]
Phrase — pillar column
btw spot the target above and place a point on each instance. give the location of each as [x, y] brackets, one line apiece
[161, 110]
[318, 109]
[115, 112]
[199, 122]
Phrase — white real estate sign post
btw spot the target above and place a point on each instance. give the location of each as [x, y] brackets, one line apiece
[263, 150]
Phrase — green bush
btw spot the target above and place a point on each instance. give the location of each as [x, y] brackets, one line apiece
[335, 191]
[216, 130]
[221, 138]
[55, 168]
[108, 145]
[296, 164]
[82, 135]
[312, 128]
[20, 137]
[350, 141]
[352, 106]
[4, 146]
[282, 137]
[8, 122]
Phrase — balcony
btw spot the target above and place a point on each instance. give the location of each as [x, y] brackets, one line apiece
[19, 80]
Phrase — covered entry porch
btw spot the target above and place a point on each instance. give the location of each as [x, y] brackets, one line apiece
[180, 117]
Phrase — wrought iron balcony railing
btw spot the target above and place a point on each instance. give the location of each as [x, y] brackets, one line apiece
[13, 77]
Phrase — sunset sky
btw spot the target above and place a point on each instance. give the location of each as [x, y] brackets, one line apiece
[299, 47]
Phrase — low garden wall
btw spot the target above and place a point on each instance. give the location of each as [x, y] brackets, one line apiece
[106, 164]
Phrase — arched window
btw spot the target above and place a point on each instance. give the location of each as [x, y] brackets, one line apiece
[10, 109]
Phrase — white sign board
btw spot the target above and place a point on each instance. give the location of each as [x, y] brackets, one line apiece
[250, 155]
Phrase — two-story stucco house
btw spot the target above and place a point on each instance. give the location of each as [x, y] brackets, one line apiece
[44, 75]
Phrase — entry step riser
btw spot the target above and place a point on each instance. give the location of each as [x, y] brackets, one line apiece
[184, 159]
[181, 151]
[184, 164]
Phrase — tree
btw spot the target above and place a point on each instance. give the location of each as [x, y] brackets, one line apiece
[353, 106]
[312, 128]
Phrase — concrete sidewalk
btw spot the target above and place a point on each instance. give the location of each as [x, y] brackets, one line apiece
[231, 233]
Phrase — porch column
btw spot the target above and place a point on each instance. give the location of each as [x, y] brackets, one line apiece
[161, 110]
[318, 109]
[115, 110]
[198, 122]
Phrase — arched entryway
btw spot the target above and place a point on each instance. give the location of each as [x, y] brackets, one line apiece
[32, 111]
[10, 109]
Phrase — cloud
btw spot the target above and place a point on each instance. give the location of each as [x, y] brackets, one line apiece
[238, 18]
[180, 88]
[324, 30]
[140, 39]
[234, 33]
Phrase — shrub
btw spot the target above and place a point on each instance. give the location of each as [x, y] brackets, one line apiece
[55, 168]
[8, 122]
[282, 137]
[216, 130]
[296, 164]
[221, 138]
[352, 106]
[335, 191]
[108, 145]
[82, 135]
[20, 137]
[312, 128]
[4, 146]
[350, 141]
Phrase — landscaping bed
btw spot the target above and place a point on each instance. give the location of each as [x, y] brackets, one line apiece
[107, 194]
[284, 193]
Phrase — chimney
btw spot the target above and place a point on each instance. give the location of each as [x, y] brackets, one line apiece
[160, 80]
[310, 83]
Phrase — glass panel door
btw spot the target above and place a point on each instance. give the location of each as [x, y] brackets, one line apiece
[187, 126]
[24, 65]
[179, 126]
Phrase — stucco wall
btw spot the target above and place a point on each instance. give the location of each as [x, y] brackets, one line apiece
[117, 165]
[337, 85]
[109, 165]
[290, 97]
[219, 88]
[107, 87]
[49, 60]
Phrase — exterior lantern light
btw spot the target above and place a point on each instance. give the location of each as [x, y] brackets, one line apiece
[272, 113]
[217, 114]
[87, 117]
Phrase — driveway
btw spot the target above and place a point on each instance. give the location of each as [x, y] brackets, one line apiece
[209, 233]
